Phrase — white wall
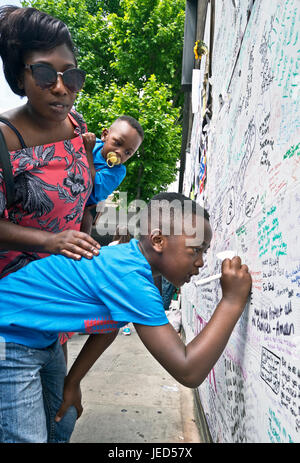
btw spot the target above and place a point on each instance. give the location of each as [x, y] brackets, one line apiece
[252, 192]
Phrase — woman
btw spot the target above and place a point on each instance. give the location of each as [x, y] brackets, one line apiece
[52, 178]
[49, 163]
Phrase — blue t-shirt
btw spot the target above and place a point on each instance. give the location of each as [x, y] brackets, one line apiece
[107, 179]
[57, 294]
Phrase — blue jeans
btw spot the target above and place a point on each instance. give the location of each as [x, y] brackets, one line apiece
[31, 391]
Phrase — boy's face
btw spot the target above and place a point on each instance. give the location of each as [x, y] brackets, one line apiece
[182, 255]
[121, 139]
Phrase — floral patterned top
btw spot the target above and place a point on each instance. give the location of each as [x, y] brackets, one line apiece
[52, 185]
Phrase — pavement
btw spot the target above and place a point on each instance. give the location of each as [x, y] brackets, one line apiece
[128, 397]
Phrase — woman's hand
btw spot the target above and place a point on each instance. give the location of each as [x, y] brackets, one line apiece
[70, 243]
[73, 244]
[71, 396]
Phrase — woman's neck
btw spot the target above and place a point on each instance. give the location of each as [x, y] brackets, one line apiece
[39, 122]
[36, 130]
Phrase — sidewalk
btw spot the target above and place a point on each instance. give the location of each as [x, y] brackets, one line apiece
[129, 398]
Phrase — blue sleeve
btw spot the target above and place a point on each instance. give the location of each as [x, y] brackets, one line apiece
[107, 179]
[134, 299]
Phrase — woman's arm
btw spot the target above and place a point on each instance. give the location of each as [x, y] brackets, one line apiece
[70, 243]
[87, 219]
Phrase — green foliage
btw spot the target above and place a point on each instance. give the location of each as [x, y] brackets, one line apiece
[132, 53]
[108, 6]
[148, 39]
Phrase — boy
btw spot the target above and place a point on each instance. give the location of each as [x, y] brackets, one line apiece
[124, 137]
[100, 296]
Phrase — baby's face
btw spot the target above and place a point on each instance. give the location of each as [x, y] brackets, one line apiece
[121, 139]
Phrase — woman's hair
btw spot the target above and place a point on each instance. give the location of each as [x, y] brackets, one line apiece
[24, 30]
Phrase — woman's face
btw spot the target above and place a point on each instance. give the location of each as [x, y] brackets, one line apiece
[52, 103]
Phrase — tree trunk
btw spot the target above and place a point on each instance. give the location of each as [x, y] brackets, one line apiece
[139, 177]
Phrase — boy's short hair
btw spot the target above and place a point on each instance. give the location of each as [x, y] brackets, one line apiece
[167, 211]
[133, 123]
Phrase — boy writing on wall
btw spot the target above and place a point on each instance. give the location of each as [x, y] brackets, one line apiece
[100, 296]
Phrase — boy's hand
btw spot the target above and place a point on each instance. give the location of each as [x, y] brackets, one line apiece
[236, 281]
[71, 396]
[73, 244]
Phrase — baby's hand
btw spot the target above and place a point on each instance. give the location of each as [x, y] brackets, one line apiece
[89, 140]
[236, 281]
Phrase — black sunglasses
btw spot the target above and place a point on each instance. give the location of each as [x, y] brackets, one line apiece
[46, 76]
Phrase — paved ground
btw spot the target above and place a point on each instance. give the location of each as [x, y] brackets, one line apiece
[129, 398]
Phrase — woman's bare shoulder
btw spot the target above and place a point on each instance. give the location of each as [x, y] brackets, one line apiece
[14, 116]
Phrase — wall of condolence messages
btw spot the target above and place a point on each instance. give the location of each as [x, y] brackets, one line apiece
[243, 165]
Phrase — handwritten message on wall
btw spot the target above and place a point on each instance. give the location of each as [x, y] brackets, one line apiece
[252, 193]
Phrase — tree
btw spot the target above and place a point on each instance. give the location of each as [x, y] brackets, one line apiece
[147, 39]
[108, 6]
[131, 52]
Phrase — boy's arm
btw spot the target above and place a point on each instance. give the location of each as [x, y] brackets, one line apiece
[191, 364]
[95, 345]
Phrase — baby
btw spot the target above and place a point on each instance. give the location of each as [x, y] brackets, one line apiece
[123, 138]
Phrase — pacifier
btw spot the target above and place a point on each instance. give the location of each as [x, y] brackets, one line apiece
[113, 159]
